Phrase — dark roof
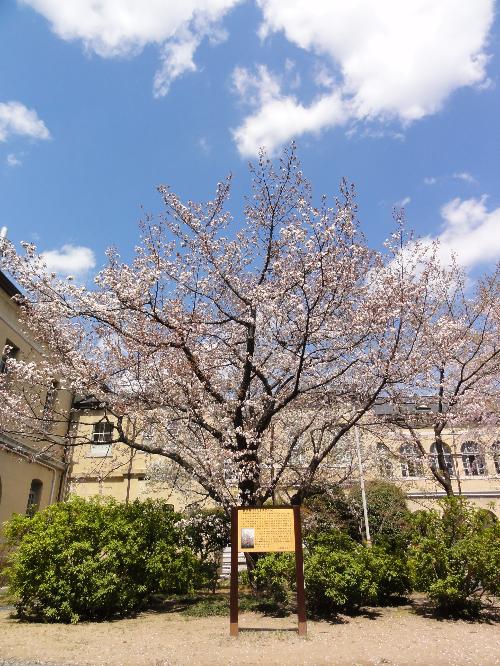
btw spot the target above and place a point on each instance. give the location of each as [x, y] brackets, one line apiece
[8, 286]
[415, 405]
[88, 402]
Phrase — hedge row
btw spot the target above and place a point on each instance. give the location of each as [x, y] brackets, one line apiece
[92, 559]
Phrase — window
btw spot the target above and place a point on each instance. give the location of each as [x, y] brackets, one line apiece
[384, 463]
[473, 460]
[448, 459]
[10, 351]
[34, 497]
[48, 408]
[496, 456]
[101, 439]
[411, 461]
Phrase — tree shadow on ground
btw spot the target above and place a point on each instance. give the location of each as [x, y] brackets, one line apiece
[344, 616]
[488, 614]
[210, 604]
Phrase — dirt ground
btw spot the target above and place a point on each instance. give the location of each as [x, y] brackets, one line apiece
[395, 635]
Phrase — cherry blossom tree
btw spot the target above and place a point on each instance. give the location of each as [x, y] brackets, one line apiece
[242, 353]
[458, 381]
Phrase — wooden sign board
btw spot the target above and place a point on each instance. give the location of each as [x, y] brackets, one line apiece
[266, 530]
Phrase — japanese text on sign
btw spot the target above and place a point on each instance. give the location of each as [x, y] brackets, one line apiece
[266, 530]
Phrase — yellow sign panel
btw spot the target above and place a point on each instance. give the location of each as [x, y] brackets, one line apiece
[266, 530]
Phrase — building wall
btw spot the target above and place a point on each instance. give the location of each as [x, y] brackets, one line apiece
[121, 473]
[22, 459]
[422, 489]
[16, 475]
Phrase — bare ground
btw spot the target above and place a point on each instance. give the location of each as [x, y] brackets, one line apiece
[392, 636]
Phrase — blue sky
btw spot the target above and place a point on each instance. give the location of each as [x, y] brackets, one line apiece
[100, 102]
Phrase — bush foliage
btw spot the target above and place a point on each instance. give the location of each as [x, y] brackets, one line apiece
[274, 576]
[207, 533]
[388, 514]
[96, 559]
[455, 556]
[341, 574]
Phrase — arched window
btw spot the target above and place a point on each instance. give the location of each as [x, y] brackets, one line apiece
[473, 459]
[384, 463]
[448, 459]
[411, 461]
[496, 456]
[34, 497]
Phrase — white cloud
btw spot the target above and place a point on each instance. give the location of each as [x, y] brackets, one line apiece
[177, 58]
[70, 260]
[404, 202]
[114, 28]
[277, 117]
[15, 118]
[12, 160]
[430, 180]
[395, 60]
[465, 176]
[470, 231]
[281, 119]
[256, 89]
[204, 145]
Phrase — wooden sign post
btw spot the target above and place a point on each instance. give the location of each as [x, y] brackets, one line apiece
[266, 530]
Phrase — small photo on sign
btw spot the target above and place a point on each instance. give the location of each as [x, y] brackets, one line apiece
[247, 537]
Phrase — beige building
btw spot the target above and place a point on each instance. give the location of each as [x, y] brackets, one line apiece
[473, 459]
[31, 474]
[98, 467]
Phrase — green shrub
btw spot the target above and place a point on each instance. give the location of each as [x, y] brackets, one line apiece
[337, 580]
[96, 559]
[392, 573]
[274, 576]
[388, 514]
[455, 556]
[341, 574]
[331, 539]
[327, 509]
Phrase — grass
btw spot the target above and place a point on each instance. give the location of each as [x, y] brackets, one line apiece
[209, 605]
[6, 599]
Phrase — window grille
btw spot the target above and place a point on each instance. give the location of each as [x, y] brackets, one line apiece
[48, 408]
[34, 497]
[384, 463]
[101, 439]
[448, 459]
[496, 456]
[473, 460]
[411, 463]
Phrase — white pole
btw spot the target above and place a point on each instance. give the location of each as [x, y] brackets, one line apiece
[362, 484]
